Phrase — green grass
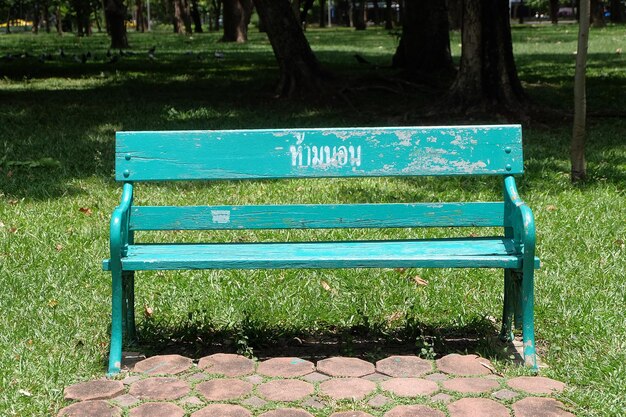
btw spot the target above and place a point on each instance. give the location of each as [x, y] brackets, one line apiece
[57, 124]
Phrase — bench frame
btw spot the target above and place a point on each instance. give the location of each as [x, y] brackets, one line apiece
[517, 218]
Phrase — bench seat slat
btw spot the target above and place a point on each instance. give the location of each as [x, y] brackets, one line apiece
[480, 253]
[317, 216]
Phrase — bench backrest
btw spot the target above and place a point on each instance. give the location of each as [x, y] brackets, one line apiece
[295, 153]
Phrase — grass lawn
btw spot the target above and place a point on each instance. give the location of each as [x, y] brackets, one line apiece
[57, 124]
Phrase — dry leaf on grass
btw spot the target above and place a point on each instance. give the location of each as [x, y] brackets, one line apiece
[419, 280]
[85, 210]
[148, 311]
[327, 287]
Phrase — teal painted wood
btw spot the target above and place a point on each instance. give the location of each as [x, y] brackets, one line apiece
[341, 152]
[317, 216]
[449, 253]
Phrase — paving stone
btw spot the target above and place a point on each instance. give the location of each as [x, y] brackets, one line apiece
[285, 390]
[540, 407]
[315, 377]
[442, 397]
[409, 387]
[130, 379]
[314, 402]
[505, 394]
[413, 411]
[227, 364]
[97, 408]
[222, 410]
[463, 365]
[437, 377]
[157, 410]
[200, 376]
[378, 401]
[126, 400]
[376, 377]
[470, 385]
[347, 388]
[404, 366]
[536, 384]
[254, 379]
[163, 365]
[287, 412]
[285, 367]
[345, 367]
[100, 389]
[129, 359]
[193, 400]
[159, 388]
[224, 389]
[351, 414]
[254, 402]
[477, 407]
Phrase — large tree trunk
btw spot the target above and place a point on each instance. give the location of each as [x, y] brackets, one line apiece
[579, 166]
[358, 7]
[300, 72]
[323, 13]
[424, 47]
[236, 20]
[597, 14]
[181, 18]
[487, 78]
[455, 14]
[59, 24]
[115, 13]
[388, 14]
[141, 18]
[554, 11]
[617, 14]
[195, 16]
[83, 13]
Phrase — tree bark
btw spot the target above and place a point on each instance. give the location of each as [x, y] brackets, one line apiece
[83, 13]
[388, 15]
[195, 17]
[115, 14]
[323, 13]
[579, 166]
[597, 14]
[554, 11]
[236, 20]
[46, 15]
[59, 25]
[141, 25]
[358, 7]
[182, 20]
[617, 14]
[424, 47]
[300, 71]
[487, 79]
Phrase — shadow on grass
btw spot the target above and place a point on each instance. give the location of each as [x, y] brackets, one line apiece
[367, 341]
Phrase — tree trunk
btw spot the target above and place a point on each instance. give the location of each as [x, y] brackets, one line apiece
[376, 13]
[217, 10]
[300, 72]
[597, 14]
[36, 17]
[617, 14]
[236, 20]
[305, 11]
[83, 12]
[554, 11]
[59, 24]
[455, 14]
[141, 19]
[195, 16]
[46, 15]
[323, 13]
[388, 15]
[358, 7]
[424, 47]
[487, 78]
[579, 166]
[115, 13]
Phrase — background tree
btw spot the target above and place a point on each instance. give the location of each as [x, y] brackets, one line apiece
[388, 14]
[195, 16]
[115, 13]
[554, 11]
[300, 71]
[487, 78]
[424, 47]
[237, 15]
[579, 165]
[597, 13]
[617, 11]
[181, 16]
[359, 18]
[142, 20]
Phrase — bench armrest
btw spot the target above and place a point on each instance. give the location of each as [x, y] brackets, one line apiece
[519, 217]
[120, 235]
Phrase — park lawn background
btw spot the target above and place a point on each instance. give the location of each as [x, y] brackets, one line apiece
[57, 124]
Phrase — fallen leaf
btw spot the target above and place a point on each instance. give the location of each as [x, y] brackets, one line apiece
[400, 270]
[13, 202]
[551, 208]
[326, 286]
[618, 51]
[148, 311]
[473, 235]
[1, 224]
[25, 393]
[9, 174]
[86, 210]
[419, 280]
[53, 303]
[58, 247]
[620, 243]
[12, 229]
[395, 316]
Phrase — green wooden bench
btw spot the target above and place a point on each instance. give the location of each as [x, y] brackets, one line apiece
[316, 153]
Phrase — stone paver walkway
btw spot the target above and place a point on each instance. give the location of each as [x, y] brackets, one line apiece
[228, 385]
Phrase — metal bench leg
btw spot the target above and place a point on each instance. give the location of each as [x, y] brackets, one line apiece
[115, 353]
[528, 306]
[508, 309]
[128, 306]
